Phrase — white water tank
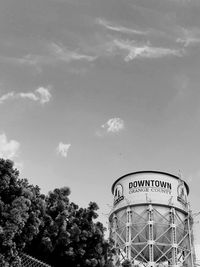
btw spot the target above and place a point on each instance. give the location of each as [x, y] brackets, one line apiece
[150, 222]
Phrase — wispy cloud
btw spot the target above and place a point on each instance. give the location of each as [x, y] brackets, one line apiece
[117, 28]
[54, 53]
[134, 50]
[62, 149]
[26, 60]
[62, 53]
[189, 37]
[8, 149]
[41, 95]
[104, 46]
[7, 96]
[29, 95]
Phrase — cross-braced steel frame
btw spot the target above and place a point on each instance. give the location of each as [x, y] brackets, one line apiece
[151, 238]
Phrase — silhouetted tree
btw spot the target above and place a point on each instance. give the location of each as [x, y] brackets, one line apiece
[50, 227]
[20, 209]
[69, 235]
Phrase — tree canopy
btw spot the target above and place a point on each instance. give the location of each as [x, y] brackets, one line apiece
[68, 234]
[20, 212]
[50, 228]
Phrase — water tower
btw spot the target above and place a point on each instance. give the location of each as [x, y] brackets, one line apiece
[150, 222]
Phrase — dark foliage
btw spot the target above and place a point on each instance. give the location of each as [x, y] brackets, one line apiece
[68, 235]
[50, 228]
[20, 212]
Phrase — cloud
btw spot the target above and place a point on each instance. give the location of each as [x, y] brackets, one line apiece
[29, 95]
[7, 96]
[104, 46]
[8, 149]
[54, 53]
[134, 50]
[29, 59]
[44, 95]
[113, 125]
[62, 53]
[189, 37]
[63, 149]
[41, 95]
[110, 26]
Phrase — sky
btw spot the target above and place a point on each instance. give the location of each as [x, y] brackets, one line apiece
[93, 89]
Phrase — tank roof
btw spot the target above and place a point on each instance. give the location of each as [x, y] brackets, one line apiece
[160, 172]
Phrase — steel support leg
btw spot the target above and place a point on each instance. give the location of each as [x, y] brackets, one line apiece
[128, 233]
[151, 239]
[174, 239]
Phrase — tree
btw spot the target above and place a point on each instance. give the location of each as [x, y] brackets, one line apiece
[68, 235]
[50, 227]
[20, 208]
